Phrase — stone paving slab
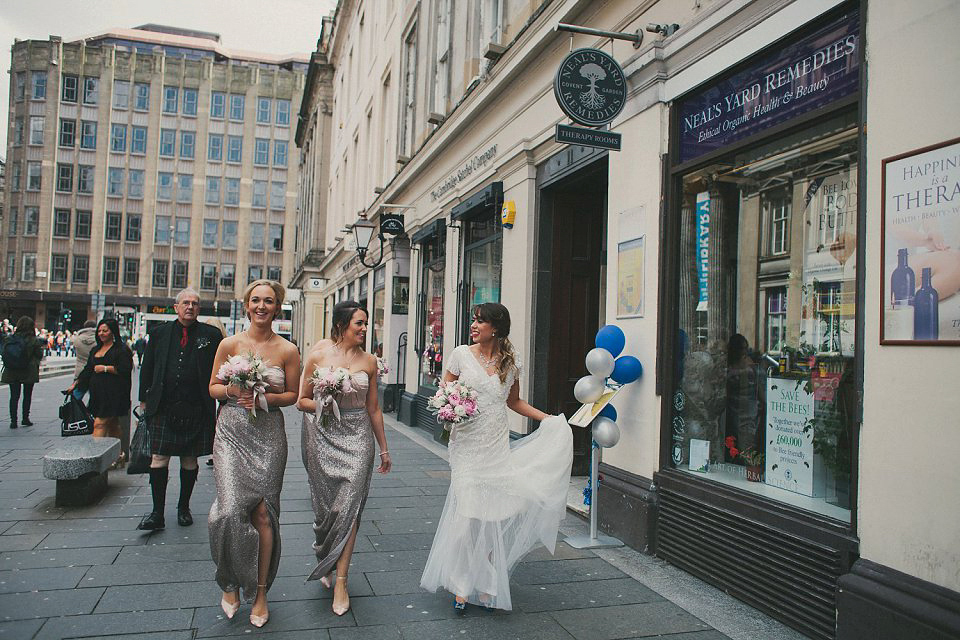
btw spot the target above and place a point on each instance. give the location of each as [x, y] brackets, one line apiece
[581, 595]
[21, 542]
[109, 624]
[19, 629]
[627, 621]
[57, 558]
[43, 604]
[489, 627]
[41, 579]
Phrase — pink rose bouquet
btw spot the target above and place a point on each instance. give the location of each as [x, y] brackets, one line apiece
[454, 403]
[246, 371]
[383, 370]
[328, 384]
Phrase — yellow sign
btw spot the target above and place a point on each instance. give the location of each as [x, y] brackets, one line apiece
[508, 214]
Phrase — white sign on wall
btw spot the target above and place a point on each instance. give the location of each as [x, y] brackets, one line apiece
[789, 449]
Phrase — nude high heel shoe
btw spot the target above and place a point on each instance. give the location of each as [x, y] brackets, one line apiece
[230, 609]
[341, 609]
[259, 621]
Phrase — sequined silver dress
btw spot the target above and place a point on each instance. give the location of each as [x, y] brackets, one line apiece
[250, 455]
[339, 462]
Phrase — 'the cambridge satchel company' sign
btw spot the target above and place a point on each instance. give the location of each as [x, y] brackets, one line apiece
[802, 76]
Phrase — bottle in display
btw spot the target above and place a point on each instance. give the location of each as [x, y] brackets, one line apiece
[903, 282]
[926, 318]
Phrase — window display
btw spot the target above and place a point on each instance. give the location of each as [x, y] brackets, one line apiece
[482, 260]
[431, 280]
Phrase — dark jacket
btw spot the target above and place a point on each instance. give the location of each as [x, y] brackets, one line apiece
[154, 366]
[109, 392]
[30, 375]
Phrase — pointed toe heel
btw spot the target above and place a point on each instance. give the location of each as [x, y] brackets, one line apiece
[229, 609]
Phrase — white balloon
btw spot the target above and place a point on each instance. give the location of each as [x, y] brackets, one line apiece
[606, 433]
[600, 362]
[588, 389]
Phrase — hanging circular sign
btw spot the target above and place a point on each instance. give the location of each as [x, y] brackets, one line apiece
[590, 87]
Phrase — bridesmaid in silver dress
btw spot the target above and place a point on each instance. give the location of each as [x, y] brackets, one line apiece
[339, 457]
[251, 455]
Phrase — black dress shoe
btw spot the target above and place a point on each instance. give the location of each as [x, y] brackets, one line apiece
[184, 517]
[26, 421]
[151, 522]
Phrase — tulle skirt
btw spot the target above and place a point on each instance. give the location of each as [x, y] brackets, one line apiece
[500, 507]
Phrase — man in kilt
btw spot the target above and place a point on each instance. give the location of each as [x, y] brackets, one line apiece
[174, 398]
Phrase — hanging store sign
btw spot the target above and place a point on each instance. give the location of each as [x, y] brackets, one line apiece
[808, 74]
[590, 87]
[588, 137]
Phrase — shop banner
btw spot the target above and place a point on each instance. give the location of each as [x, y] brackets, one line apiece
[781, 84]
[789, 450]
[703, 246]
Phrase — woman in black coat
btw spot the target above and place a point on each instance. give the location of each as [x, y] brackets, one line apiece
[107, 376]
[22, 353]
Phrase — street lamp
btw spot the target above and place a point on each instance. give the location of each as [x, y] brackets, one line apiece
[363, 230]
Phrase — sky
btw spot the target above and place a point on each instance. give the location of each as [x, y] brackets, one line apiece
[268, 26]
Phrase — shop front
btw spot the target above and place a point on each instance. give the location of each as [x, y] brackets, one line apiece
[761, 315]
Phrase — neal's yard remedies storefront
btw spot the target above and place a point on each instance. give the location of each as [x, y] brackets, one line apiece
[762, 316]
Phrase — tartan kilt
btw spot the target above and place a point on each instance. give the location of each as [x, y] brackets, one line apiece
[165, 440]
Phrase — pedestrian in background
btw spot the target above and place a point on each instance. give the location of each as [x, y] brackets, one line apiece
[84, 342]
[21, 353]
[139, 346]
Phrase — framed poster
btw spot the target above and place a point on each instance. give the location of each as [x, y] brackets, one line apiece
[401, 295]
[920, 247]
[630, 278]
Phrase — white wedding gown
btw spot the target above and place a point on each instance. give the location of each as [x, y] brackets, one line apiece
[503, 500]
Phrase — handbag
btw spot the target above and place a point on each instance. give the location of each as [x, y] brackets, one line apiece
[75, 418]
[139, 447]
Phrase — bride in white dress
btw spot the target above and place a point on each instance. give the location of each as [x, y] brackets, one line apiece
[503, 500]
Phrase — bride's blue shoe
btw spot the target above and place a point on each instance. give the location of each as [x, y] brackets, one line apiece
[459, 607]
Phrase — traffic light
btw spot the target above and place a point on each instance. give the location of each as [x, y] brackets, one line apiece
[67, 316]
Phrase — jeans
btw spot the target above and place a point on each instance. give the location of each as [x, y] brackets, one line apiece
[15, 398]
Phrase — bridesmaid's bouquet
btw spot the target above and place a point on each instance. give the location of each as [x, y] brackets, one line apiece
[328, 385]
[454, 403]
[247, 371]
[383, 370]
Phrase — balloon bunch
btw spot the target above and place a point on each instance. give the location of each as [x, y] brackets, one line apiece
[602, 363]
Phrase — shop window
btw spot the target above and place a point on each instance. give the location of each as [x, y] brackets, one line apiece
[378, 315]
[482, 259]
[433, 256]
[765, 394]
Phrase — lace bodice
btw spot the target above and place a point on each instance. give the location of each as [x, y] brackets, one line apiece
[356, 397]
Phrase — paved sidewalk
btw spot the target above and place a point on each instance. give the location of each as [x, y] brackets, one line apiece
[88, 573]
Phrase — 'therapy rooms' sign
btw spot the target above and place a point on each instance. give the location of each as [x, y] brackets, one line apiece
[782, 84]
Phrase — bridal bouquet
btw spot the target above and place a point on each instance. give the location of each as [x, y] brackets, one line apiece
[328, 384]
[453, 403]
[382, 368]
[247, 371]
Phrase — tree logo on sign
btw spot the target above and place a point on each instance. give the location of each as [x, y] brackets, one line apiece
[590, 87]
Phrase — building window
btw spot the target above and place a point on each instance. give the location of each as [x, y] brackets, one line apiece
[227, 277]
[121, 94]
[164, 186]
[162, 230]
[83, 225]
[20, 86]
[81, 269]
[111, 270]
[254, 272]
[15, 172]
[215, 147]
[184, 187]
[188, 141]
[274, 273]
[213, 190]
[256, 236]
[236, 107]
[115, 182]
[88, 134]
[278, 195]
[231, 196]
[160, 273]
[112, 226]
[218, 103]
[138, 141]
[39, 85]
[118, 138]
[441, 64]
[131, 272]
[17, 132]
[263, 110]
[482, 260]
[276, 237]
[261, 152]
[234, 149]
[229, 235]
[135, 185]
[179, 274]
[408, 105]
[85, 174]
[283, 113]
[776, 332]
[259, 194]
[279, 153]
[134, 226]
[208, 276]
[68, 90]
[33, 176]
[776, 213]
[189, 102]
[12, 222]
[91, 90]
[490, 24]
[168, 140]
[29, 271]
[58, 268]
[181, 232]
[65, 178]
[11, 266]
[61, 223]
[211, 229]
[433, 252]
[142, 94]
[170, 99]
[378, 314]
[36, 130]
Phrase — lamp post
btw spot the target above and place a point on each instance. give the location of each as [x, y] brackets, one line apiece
[363, 230]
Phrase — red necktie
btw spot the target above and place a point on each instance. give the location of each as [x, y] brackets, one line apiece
[183, 338]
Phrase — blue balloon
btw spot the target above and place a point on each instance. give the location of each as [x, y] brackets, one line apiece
[626, 370]
[609, 411]
[611, 338]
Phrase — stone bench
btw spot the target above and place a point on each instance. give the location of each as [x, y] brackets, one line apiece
[79, 465]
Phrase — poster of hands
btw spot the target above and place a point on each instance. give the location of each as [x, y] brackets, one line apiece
[921, 246]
